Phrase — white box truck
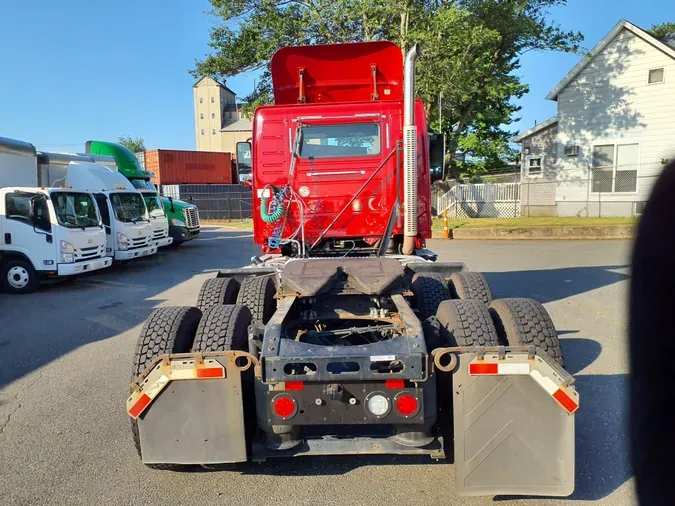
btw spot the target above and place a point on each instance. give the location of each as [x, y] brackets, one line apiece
[44, 232]
[125, 217]
[158, 218]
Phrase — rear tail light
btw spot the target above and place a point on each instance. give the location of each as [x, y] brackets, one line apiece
[295, 385]
[395, 384]
[284, 406]
[406, 405]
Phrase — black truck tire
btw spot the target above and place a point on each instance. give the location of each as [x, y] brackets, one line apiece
[470, 285]
[257, 294]
[223, 328]
[525, 322]
[217, 291]
[18, 276]
[167, 330]
[429, 290]
[466, 323]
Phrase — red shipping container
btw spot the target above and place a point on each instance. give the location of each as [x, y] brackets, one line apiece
[189, 167]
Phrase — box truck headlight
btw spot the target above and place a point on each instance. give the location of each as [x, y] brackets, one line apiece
[122, 242]
[177, 223]
[67, 252]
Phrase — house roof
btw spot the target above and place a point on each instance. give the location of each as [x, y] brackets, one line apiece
[538, 128]
[217, 82]
[241, 125]
[657, 43]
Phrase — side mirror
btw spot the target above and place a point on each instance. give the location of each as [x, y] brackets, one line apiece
[244, 161]
[31, 208]
[436, 150]
[172, 209]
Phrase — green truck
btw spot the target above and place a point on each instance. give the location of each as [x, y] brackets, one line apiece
[183, 217]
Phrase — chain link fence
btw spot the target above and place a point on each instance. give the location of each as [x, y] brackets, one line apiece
[214, 201]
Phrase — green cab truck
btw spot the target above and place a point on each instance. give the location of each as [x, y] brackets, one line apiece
[183, 217]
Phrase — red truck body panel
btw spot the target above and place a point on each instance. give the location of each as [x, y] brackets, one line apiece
[359, 85]
[189, 167]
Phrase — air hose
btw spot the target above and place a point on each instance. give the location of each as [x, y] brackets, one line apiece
[275, 216]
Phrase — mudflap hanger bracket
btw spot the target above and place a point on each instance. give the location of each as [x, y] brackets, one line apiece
[513, 418]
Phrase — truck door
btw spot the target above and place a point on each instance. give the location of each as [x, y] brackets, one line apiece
[30, 235]
[102, 203]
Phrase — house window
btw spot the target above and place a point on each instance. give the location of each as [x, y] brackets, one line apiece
[201, 100]
[213, 115]
[534, 166]
[213, 131]
[656, 76]
[615, 168]
[202, 131]
[201, 115]
[213, 100]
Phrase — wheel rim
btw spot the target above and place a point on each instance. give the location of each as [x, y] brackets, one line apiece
[18, 277]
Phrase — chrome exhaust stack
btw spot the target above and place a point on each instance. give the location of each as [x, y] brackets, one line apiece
[409, 152]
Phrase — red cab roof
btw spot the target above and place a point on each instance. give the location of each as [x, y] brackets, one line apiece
[355, 72]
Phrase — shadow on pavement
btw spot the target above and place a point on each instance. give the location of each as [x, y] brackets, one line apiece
[579, 352]
[38, 328]
[549, 285]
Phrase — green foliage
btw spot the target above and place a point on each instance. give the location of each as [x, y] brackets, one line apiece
[471, 51]
[661, 30]
[136, 145]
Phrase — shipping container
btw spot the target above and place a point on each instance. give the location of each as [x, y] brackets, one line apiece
[189, 167]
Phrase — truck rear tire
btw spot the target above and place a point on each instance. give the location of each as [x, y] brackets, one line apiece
[525, 322]
[429, 290]
[466, 323]
[217, 291]
[167, 330]
[257, 294]
[470, 285]
[19, 277]
[223, 328]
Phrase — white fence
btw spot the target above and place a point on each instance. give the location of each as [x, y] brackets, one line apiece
[485, 200]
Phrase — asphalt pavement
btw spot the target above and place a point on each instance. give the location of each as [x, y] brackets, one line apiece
[65, 363]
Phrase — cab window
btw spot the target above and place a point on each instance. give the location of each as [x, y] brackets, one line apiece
[340, 141]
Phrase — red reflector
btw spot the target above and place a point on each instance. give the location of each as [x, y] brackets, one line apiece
[140, 405]
[295, 385]
[406, 405]
[483, 368]
[284, 407]
[394, 384]
[565, 401]
[210, 372]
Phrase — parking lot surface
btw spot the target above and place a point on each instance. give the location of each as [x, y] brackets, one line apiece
[65, 362]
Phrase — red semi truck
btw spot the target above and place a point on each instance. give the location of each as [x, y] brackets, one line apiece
[347, 336]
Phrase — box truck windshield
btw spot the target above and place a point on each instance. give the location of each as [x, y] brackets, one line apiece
[128, 207]
[154, 205]
[75, 210]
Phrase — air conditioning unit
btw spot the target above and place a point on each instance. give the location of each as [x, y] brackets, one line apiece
[571, 150]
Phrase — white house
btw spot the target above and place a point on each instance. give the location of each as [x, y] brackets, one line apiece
[614, 129]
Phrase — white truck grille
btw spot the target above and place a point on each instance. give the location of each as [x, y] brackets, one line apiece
[191, 217]
[83, 254]
[160, 234]
[139, 242]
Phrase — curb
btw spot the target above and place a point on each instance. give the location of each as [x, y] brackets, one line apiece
[542, 233]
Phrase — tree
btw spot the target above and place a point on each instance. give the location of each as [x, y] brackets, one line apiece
[471, 50]
[136, 145]
[663, 30]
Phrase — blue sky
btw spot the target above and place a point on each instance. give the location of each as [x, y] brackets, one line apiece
[74, 70]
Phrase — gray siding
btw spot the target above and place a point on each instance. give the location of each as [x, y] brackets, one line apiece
[538, 193]
[610, 102]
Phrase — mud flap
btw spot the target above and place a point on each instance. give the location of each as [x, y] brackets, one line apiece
[511, 436]
[194, 420]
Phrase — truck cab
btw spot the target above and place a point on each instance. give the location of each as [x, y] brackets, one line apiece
[125, 217]
[45, 232]
[181, 218]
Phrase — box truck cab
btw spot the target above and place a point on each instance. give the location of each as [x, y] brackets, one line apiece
[158, 218]
[125, 217]
[182, 217]
[44, 232]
